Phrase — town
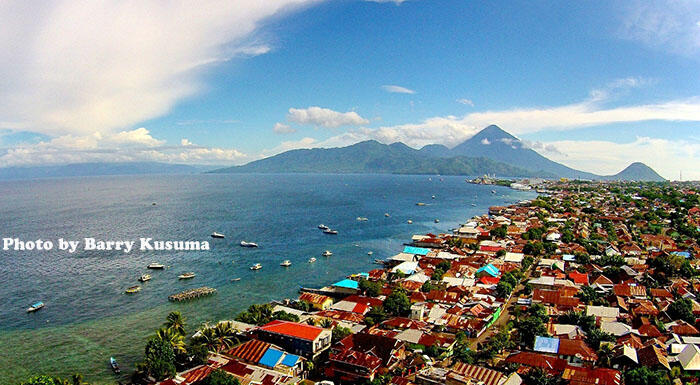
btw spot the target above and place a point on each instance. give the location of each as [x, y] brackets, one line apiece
[590, 283]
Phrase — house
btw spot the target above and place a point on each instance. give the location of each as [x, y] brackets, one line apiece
[576, 352]
[604, 312]
[652, 357]
[488, 270]
[302, 339]
[264, 354]
[357, 357]
[593, 376]
[317, 301]
[689, 358]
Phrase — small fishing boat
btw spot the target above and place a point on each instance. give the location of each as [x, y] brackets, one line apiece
[493, 191]
[420, 204]
[187, 275]
[114, 366]
[473, 204]
[133, 290]
[312, 260]
[330, 231]
[323, 227]
[248, 244]
[145, 278]
[156, 266]
[286, 263]
[257, 266]
[36, 307]
[370, 252]
[437, 221]
[327, 253]
[433, 197]
[409, 222]
[362, 219]
[235, 279]
[217, 235]
[387, 215]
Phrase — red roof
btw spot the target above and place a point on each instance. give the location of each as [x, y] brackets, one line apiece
[577, 348]
[356, 358]
[293, 329]
[250, 351]
[491, 248]
[597, 376]
[551, 364]
[489, 280]
[579, 278]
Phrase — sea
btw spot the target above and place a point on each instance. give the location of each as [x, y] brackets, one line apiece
[88, 318]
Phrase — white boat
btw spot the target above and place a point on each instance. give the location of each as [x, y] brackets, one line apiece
[327, 253]
[330, 231]
[437, 221]
[323, 227]
[409, 222]
[493, 191]
[362, 219]
[187, 275]
[473, 204]
[248, 244]
[286, 263]
[145, 277]
[433, 197]
[156, 266]
[235, 279]
[37, 306]
[370, 252]
[386, 215]
[217, 235]
[312, 260]
[257, 266]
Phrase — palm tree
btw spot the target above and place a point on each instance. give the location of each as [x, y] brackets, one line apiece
[225, 336]
[605, 355]
[175, 339]
[176, 321]
[326, 323]
[206, 337]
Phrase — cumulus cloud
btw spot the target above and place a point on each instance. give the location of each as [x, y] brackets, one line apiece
[485, 141]
[398, 89]
[82, 67]
[325, 117]
[125, 146]
[281, 128]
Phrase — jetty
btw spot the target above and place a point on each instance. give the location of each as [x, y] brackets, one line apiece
[192, 294]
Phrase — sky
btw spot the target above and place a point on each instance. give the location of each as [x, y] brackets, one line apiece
[595, 85]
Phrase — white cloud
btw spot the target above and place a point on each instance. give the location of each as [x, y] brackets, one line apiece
[665, 25]
[667, 157]
[485, 141]
[398, 89]
[81, 67]
[125, 146]
[325, 117]
[467, 102]
[281, 128]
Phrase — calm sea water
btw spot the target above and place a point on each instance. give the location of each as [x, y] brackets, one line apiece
[87, 317]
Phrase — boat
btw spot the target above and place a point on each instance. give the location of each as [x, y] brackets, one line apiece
[493, 191]
[145, 277]
[113, 364]
[474, 204]
[327, 253]
[420, 204]
[330, 231]
[257, 266]
[386, 215]
[217, 235]
[36, 307]
[433, 197]
[437, 221]
[286, 263]
[133, 290]
[409, 222]
[312, 260]
[248, 244]
[187, 275]
[235, 279]
[362, 219]
[370, 252]
[156, 266]
[323, 227]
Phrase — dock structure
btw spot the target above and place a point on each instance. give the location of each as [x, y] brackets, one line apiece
[192, 294]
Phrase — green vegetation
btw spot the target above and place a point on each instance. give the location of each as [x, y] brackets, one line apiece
[645, 376]
[397, 303]
[76, 379]
[371, 288]
[220, 377]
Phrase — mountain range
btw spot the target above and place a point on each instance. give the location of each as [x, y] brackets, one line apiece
[490, 151]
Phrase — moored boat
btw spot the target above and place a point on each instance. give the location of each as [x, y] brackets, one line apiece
[327, 253]
[187, 275]
[370, 252]
[113, 364]
[133, 289]
[323, 227]
[386, 215]
[235, 279]
[145, 277]
[409, 221]
[362, 219]
[36, 307]
[217, 235]
[286, 263]
[257, 266]
[437, 221]
[156, 266]
[330, 231]
[248, 244]
[420, 204]
[312, 260]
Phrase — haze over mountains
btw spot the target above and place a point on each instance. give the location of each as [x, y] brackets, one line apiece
[491, 151]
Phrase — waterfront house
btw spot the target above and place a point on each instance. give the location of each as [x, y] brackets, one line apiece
[317, 301]
[301, 339]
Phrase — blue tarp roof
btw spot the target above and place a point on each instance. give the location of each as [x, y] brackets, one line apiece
[546, 344]
[416, 250]
[290, 360]
[489, 269]
[683, 254]
[348, 283]
[271, 358]
[568, 257]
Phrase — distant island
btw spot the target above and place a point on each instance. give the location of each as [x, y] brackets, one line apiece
[491, 151]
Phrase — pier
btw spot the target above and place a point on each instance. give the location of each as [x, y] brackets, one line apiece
[192, 294]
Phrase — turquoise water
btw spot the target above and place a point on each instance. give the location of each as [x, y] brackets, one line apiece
[87, 317]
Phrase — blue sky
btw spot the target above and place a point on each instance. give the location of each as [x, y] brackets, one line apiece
[594, 85]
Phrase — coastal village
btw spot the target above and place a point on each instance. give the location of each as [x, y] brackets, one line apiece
[590, 283]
